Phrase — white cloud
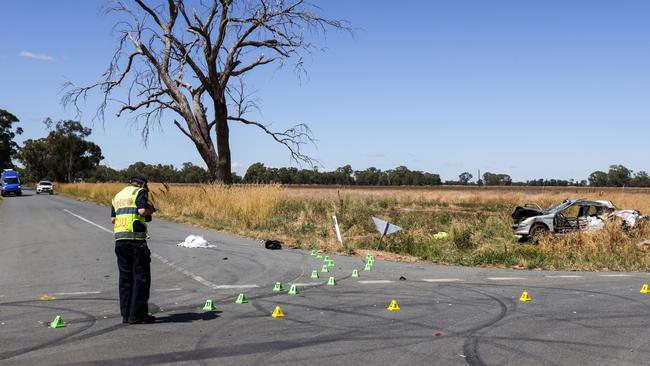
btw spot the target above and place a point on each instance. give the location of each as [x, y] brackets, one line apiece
[35, 56]
[235, 165]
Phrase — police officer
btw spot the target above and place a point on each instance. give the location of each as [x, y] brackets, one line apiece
[130, 213]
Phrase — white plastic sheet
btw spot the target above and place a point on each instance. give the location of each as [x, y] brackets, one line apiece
[384, 227]
[195, 241]
[629, 216]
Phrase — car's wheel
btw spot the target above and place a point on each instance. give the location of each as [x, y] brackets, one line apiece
[37, 192]
[51, 192]
[537, 230]
[19, 193]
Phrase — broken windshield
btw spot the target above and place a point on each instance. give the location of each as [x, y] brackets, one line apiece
[559, 207]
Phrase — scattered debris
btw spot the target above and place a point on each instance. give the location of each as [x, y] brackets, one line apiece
[629, 217]
[195, 241]
[273, 244]
[644, 245]
[440, 235]
[402, 278]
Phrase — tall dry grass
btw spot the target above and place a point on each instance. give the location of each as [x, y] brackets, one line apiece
[216, 205]
[478, 221]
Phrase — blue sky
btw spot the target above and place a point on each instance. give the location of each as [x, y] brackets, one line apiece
[529, 88]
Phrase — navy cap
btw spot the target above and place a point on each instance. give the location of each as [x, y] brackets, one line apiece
[138, 179]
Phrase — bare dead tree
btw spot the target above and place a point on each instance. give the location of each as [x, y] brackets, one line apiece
[191, 61]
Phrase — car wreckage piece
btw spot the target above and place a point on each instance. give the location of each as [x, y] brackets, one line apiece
[569, 216]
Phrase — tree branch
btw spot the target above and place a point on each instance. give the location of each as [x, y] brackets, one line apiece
[293, 138]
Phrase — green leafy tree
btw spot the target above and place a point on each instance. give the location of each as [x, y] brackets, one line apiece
[191, 173]
[63, 155]
[598, 179]
[103, 173]
[256, 173]
[8, 147]
[641, 179]
[619, 176]
[465, 177]
[370, 177]
[34, 156]
[492, 179]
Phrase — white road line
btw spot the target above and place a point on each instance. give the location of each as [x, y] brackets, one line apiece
[76, 293]
[506, 278]
[614, 275]
[168, 289]
[307, 284]
[226, 287]
[375, 282]
[180, 269]
[435, 280]
[564, 276]
[88, 221]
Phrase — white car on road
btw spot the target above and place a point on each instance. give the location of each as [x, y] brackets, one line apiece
[45, 186]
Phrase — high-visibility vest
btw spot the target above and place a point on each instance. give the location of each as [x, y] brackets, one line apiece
[126, 214]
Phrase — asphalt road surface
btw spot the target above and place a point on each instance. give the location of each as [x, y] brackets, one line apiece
[63, 249]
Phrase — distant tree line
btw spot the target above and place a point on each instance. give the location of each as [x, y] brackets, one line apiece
[167, 173]
[400, 176]
[619, 176]
[66, 155]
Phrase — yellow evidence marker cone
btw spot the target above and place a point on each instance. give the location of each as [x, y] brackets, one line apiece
[314, 274]
[368, 267]
[645, 289]
[331, 281]
[394, 306]
[324, 269]
[277, 313]
[209, 305]
[57, 323]
[525, 297]
[355, 273]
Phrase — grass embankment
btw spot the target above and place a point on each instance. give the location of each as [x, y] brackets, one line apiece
[478, 221]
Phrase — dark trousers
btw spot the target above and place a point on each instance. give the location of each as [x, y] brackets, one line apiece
[133, 262]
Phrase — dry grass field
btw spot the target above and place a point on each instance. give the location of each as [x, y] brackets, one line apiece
[477, 220]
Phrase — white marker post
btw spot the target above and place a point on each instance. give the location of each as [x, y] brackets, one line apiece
[337, 229]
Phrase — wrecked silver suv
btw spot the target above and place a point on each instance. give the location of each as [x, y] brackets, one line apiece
[571, 215]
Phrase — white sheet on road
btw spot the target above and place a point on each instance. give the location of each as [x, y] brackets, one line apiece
[195, 241]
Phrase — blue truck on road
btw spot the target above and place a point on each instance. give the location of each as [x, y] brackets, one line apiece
[10, 181]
